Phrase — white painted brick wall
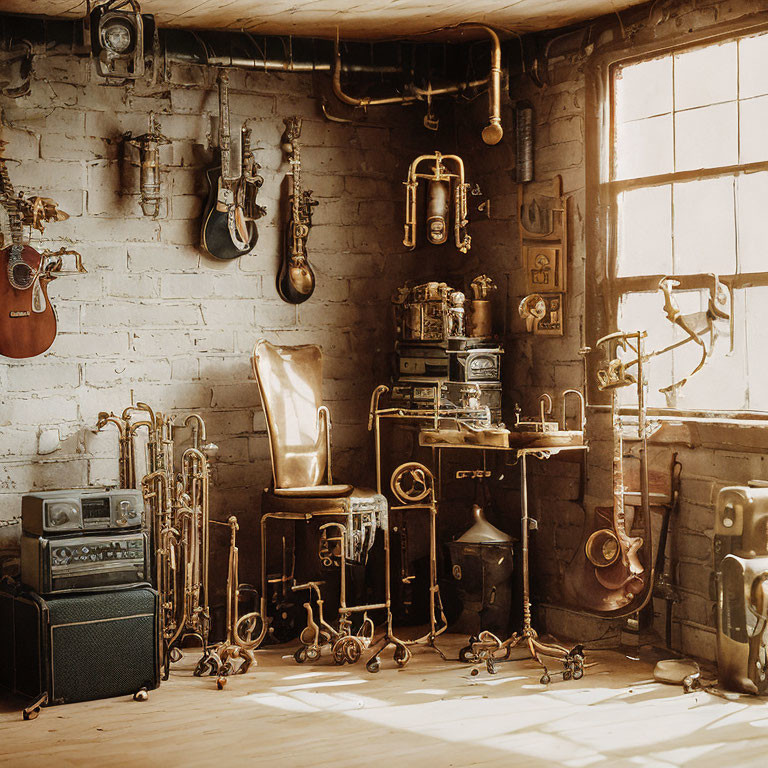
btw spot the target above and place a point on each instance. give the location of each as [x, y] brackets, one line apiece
[157, 320]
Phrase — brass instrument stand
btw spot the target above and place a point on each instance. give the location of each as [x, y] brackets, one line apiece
[220, 659]
[420, 494]
[402, 654]
[487, 647]
[251, 629]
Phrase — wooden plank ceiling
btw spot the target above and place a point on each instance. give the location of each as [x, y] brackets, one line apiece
[368, 19]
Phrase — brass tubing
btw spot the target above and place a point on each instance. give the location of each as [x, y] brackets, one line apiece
[492, 133]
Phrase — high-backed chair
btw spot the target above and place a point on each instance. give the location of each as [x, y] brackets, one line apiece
[298, 424]
[299, 432]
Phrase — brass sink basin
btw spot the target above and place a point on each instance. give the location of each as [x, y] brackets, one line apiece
[558, 438]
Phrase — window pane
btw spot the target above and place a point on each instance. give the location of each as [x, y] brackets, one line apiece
[753, 199]
[706, 137]
[645, 311]
[645, 232]
[705, 76]
[753, 119]
[757, 344]
[704, 227]
[753, 72]
[644, 148]
[644, 89]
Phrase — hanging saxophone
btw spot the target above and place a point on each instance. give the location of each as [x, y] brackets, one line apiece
[296, 281]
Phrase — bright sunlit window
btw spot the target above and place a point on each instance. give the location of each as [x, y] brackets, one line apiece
[689, 191]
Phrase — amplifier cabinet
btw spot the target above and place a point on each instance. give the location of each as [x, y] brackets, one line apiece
[79, 647]
[77, 563]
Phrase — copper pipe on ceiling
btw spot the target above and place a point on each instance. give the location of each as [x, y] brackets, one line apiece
[492, 133]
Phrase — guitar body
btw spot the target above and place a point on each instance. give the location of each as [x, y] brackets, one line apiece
[24, 332]
[296, 280]
[225, 234]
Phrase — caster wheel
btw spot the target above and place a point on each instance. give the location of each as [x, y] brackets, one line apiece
[578, 673]
[475, 672]
[402, 656]
[352, 651]
[466, 655]
[338, 653]
[545, 679]
[221, 683]
[491, 666]
[373, 665]
[31, 714]
[200, 668]
[313, 653]
[301, 655]
[141, 695]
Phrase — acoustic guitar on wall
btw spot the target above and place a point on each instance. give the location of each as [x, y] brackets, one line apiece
[27, 318]
[229, 220]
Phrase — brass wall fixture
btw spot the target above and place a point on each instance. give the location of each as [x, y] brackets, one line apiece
[445, 183]
[543, 225]
[149, 144]
[492, 133]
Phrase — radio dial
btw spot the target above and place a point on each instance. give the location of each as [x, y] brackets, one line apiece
[59, 517]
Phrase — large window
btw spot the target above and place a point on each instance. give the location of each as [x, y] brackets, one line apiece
[688, 186]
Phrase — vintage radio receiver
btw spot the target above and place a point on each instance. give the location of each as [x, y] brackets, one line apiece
[476, 364]
[64, 512]
[429, 360]
[91, 562]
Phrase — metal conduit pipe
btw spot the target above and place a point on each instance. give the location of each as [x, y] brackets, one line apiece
[492, 133]
[275, 65]
[366, 101]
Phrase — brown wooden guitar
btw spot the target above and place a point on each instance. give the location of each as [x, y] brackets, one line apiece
[27, 319]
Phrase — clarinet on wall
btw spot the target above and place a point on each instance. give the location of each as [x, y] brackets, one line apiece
[296, 280]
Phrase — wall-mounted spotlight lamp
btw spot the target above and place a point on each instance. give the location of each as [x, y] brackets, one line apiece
[117, 39]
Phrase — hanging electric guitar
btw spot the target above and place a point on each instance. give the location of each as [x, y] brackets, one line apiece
[27, 319]
[229, 221]
[296, 281]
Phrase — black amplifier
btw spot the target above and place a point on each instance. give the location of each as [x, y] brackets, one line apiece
[88, 509]
[79, 563]
[79, 647]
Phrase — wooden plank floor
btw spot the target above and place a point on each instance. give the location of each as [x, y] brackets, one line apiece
[432, 714]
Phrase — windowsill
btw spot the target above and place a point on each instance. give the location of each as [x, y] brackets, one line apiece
[738, 419]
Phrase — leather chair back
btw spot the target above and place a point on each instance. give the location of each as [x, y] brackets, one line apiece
[290, 383]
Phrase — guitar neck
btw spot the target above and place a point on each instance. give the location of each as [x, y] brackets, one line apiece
[225, 137]
[10, 204]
